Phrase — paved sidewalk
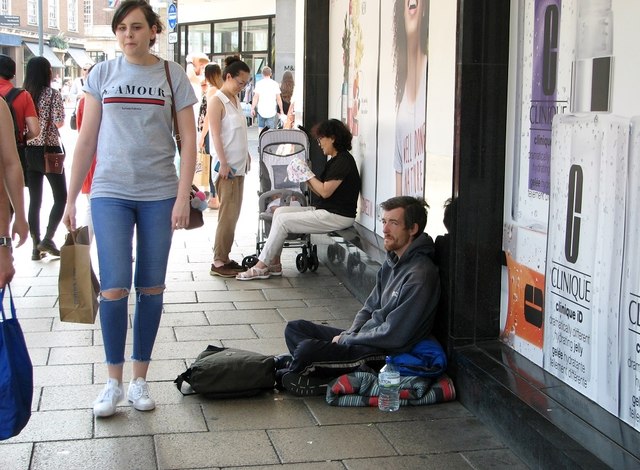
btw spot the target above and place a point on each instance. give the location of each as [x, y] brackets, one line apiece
[274, 429]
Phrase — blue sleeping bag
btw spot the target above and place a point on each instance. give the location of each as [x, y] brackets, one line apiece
[426, 359]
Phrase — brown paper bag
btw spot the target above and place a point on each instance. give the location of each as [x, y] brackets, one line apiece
[78, 286]
[203, 169]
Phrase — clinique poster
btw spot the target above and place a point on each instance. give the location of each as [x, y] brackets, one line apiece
[542, 56]
[572, 279]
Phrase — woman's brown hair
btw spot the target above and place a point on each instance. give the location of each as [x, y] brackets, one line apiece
[153, 19]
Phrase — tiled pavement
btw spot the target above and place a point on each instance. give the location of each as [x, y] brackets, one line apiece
[274, 429]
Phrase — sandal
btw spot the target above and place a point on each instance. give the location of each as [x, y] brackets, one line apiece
[253, 273]
[275, 269]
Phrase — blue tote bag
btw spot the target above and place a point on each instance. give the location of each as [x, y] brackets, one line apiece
[16, 374]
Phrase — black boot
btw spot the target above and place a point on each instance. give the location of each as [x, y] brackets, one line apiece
[36, 254]
[47, 245]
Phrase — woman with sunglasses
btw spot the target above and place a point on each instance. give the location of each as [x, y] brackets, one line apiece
[230, 159]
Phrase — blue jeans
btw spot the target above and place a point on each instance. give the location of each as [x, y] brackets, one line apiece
[267, 122]
[114, 221]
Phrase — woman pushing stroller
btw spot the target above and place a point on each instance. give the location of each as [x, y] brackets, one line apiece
[338, 188]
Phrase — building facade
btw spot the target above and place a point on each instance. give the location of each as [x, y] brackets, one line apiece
[65, 24]
[526, 117]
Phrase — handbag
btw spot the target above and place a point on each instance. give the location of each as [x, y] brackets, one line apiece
[78, 286]
[53, 161]
[16, 374]
[196, 219]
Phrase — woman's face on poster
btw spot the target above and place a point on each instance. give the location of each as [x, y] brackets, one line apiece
[413, 14]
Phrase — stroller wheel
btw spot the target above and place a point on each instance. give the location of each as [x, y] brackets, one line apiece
[249, 261]
[301, 263]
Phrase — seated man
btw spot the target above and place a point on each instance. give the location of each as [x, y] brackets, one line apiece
[399, 312]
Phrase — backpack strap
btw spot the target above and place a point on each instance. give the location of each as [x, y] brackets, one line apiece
[12, 95]
[10, 98]
[184, 377]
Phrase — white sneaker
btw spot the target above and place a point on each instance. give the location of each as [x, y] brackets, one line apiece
[110, 396]
[138, 395]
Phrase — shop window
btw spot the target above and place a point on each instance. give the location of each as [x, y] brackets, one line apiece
[255, 35]
[97, 56]
[225, 37]
[199, 38]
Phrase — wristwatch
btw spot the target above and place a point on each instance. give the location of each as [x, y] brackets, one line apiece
[5, 241]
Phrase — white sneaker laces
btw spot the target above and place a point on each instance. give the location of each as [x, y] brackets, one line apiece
[108, 394]
[139, 391]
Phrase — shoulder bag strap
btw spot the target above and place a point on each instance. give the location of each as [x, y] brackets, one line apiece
[49, 123]
[174, 115]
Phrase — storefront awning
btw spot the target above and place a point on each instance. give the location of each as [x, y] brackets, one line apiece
[79, 56]
[10, 40]
[47, 53]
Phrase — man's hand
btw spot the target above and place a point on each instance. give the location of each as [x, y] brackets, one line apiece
[336, 339]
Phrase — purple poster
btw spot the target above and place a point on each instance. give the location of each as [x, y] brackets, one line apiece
[544, 104]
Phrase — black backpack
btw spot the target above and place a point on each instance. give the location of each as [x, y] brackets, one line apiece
[9, 98]
[229, 373]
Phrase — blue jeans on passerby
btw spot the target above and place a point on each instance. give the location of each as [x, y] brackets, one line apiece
[114, 221]
[267, 122]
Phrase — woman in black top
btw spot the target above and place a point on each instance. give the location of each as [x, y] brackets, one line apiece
[338, 188]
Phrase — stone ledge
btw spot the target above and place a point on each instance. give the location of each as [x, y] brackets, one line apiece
[544, 421]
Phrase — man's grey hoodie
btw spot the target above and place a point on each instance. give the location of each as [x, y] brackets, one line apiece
[401, 309]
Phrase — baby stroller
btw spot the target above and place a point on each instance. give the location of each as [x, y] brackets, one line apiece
[276, 149]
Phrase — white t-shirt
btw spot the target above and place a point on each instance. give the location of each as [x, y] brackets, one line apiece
[267, 90]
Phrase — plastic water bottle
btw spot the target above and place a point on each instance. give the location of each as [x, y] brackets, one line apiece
[389, 383]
